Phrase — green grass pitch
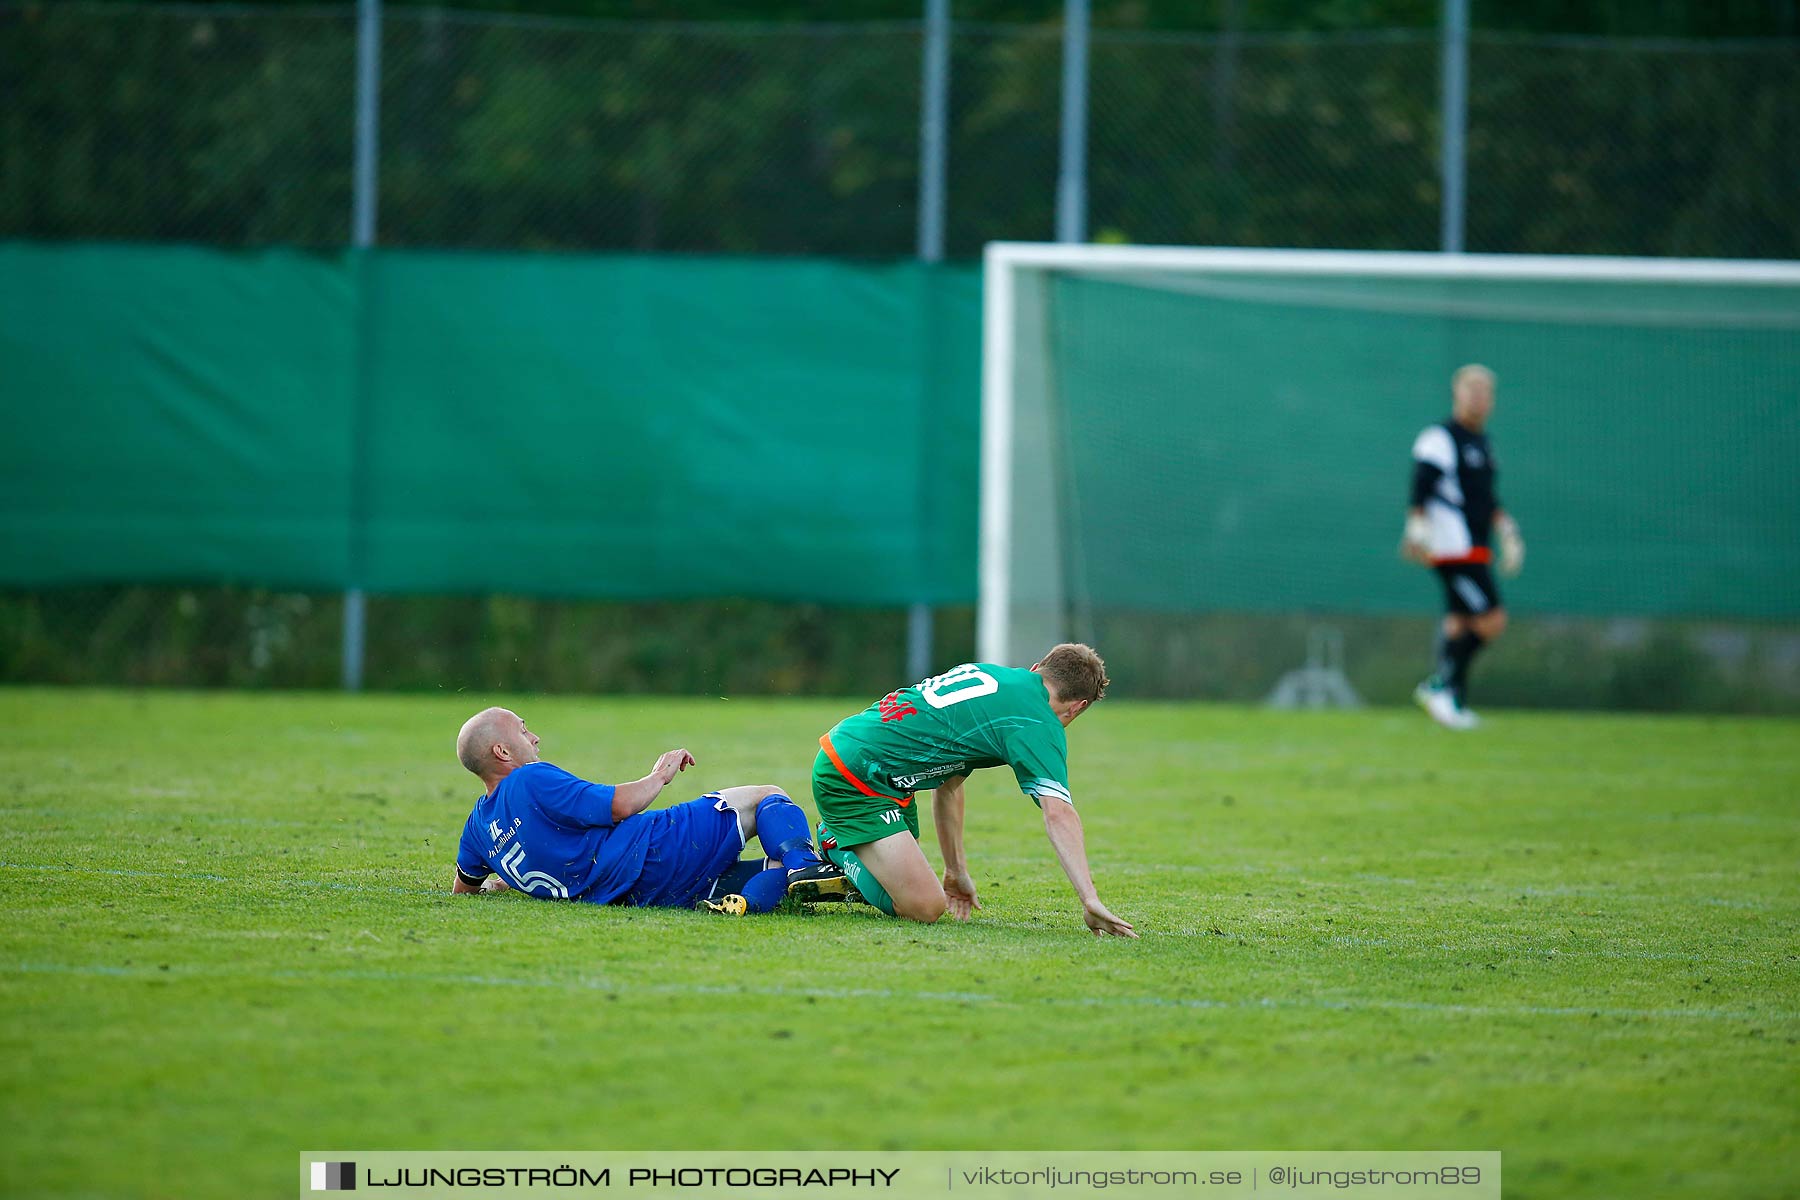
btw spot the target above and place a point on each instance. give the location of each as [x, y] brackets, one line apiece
[1576, 940]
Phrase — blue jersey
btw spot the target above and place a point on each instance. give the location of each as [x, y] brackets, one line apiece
[552, 834]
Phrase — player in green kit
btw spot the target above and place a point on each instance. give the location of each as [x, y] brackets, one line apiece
[931, 735]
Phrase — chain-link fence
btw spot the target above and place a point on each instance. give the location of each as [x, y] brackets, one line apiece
[648, 138]
[1644, 147]
[174, 124]
[234, 126]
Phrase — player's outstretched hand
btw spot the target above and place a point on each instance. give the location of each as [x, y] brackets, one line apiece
[671, 764]
[1415, 541]
[959, 894]
[493, 884]
[1512, 548]
[1100, 919]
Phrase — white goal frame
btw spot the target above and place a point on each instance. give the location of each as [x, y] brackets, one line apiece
[1003, 262]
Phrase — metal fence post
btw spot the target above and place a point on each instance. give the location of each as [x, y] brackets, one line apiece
[362, 237]
[934, 148]
[1071, 181]
[934, 110]
[1455, 122]
[368, 122]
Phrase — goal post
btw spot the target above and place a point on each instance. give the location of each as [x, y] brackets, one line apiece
[1172, 431]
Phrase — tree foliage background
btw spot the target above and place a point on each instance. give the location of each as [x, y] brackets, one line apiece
[792, 126]
[1670, 18]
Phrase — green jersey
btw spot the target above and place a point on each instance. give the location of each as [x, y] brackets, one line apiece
[973, 716]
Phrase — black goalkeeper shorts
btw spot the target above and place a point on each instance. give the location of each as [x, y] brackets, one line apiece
[1469, 588]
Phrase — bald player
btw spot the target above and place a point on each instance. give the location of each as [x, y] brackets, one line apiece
[553, 835]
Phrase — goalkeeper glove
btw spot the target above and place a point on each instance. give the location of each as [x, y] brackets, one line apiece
[1512, 547]
[1415, 543]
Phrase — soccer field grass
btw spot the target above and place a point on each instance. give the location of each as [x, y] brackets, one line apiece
[1572, 939]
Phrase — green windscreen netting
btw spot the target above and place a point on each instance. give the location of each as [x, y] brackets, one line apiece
[630, 428]
[1191, 441]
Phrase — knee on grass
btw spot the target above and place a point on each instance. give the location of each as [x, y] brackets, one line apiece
[925, 909]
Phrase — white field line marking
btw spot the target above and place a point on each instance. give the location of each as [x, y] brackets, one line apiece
[332, 884]
[1189, 932]
[588, 983]
[178, 818]
[1427, 944]
[1280, 877]
[59, 869]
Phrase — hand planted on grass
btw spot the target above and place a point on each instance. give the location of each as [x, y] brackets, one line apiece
[959, 894]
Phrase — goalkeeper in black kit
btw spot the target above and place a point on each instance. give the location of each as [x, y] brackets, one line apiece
[1454, 515]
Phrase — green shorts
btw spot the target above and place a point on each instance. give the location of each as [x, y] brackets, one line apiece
[855, 818]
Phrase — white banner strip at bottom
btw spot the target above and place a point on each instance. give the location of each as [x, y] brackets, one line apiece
[908, 1175]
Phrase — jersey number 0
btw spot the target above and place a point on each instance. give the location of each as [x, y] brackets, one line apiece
[958, 684]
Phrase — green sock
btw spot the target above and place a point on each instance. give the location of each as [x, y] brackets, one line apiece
[863, 878]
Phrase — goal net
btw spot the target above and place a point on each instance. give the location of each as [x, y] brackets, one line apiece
[1175, 431]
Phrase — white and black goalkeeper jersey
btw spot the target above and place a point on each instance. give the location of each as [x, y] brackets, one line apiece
[1453, 481]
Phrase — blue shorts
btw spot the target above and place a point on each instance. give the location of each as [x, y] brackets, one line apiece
[690, 845]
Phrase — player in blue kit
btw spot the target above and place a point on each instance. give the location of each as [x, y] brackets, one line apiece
[551, 834]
